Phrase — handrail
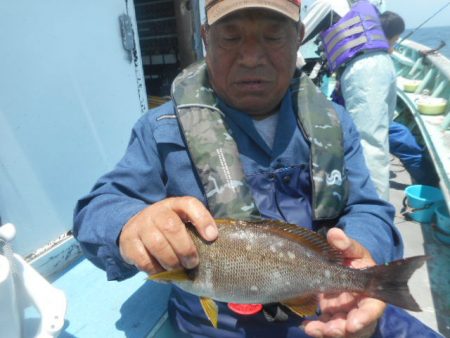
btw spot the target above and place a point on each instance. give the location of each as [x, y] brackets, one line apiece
[433, 71]
[439, 61]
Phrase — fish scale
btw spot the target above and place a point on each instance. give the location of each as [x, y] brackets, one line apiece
[250, 264]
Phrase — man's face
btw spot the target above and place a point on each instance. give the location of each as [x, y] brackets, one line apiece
[251, 58]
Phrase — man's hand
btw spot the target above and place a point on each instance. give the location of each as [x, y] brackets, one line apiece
[346, 314]
[156, 239]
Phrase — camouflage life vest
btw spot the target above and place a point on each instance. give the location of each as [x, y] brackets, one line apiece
[216, 157]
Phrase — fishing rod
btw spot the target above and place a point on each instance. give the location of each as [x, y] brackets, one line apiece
[423, 23]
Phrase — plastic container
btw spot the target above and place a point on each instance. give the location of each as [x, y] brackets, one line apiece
[443, 238]
[443, 224]
[410, 86]
[432, 105]
[423, 201]
[443, 219]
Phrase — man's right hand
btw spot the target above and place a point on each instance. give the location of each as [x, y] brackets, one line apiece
[156, 239]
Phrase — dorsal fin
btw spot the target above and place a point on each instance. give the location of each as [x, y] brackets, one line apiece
[308, 238]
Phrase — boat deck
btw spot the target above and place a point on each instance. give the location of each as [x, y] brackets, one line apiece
[98, 308]
[430, 285]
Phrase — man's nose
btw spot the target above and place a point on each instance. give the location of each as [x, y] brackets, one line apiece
[252, 52]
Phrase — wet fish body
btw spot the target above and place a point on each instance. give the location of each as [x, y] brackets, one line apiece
[271, 261]
[254, 262]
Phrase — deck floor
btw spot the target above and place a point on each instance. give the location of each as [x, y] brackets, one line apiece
[101, 308]
[430, 285]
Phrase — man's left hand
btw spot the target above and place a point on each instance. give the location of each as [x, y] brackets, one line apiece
[347, 314]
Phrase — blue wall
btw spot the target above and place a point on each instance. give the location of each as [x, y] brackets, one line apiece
[69, 96]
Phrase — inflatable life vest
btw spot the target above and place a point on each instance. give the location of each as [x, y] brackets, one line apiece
[357, 32]
[216, 156]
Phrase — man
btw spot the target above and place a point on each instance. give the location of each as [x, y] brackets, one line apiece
[402, 143]
[243, 137]
[357, 51]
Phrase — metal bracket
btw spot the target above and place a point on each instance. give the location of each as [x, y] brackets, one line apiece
[127, 32]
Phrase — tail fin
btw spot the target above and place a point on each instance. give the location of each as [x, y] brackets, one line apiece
[390, 282]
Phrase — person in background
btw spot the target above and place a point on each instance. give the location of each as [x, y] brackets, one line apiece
[366, 86]
[321, 14]
[234, 142]
[402, 142]
[367, 83]
[324, 14]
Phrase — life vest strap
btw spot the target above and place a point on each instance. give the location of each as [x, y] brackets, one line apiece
[351, 44]
[341, 27]
[341, 36]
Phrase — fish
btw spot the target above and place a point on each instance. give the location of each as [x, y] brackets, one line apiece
[268, 261]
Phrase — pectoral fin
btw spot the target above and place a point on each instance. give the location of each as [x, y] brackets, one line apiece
[211, 310]
[302, 306]
[170, 276]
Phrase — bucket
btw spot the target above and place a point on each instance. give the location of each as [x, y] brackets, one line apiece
[421, 202]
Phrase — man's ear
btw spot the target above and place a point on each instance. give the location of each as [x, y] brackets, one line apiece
[301, 34]
[204, 33]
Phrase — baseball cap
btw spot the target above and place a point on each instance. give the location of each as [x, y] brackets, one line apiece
[217, 9]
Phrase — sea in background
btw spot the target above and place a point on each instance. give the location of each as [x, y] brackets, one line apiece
[432, 37]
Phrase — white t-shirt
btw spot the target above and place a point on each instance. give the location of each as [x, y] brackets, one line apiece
[267, 128]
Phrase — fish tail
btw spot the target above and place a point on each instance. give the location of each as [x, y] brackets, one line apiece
[390, 282]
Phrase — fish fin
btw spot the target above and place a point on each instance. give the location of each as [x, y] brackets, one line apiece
[307, 238]
[211, 310]
[303, 306]
[389, 282]
[170, 276]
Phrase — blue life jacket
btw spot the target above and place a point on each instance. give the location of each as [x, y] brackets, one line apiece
[357, 32]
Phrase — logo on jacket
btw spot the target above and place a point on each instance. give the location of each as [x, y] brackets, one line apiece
[335, 178]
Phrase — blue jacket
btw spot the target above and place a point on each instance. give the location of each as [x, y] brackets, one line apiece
[156, 165]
